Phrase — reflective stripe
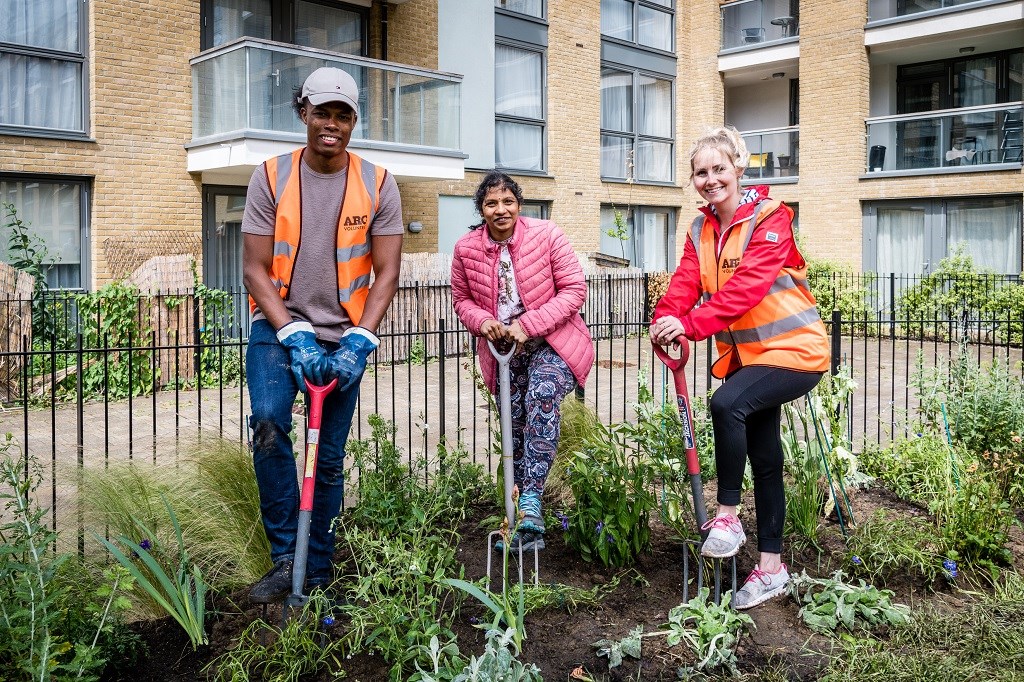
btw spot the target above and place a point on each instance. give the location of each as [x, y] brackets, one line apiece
[282, 249]
[345, 295]
[782, 283]
[284, 172]
[369, 173]
[770, 330]
[752, 223]
[698, 222]
[354, 251]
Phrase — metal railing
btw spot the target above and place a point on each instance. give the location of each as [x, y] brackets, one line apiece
[879, 10]
[751, 23]
[963, 138]
[247, 86]
[774, 153]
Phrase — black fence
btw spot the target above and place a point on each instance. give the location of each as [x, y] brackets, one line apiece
[159, 397]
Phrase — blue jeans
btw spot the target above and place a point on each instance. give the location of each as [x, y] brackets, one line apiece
[272, 392]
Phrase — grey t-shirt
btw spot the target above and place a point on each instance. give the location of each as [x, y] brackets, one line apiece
[313, 294]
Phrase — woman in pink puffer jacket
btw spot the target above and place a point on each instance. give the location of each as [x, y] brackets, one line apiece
[518, 279]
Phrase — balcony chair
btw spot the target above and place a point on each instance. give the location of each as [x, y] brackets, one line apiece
[753, 35]
[760, 166]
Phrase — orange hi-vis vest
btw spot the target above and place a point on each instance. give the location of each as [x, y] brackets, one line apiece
[784, 329]
[358, 208]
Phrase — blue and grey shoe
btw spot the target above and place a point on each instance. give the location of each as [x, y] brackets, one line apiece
[529, 539]
[533, 517]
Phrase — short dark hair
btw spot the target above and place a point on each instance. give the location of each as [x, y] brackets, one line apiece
[298, 101]
[495, 179]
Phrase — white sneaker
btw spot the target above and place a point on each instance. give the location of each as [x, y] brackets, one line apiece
[760, 587]
[725, 538]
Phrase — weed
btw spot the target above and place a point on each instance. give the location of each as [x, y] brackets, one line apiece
[828, 603]
[710, 630]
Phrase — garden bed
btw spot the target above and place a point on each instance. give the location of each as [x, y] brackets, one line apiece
[560, 639]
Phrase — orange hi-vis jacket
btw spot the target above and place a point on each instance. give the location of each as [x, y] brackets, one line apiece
[783, 329]
[358, 208]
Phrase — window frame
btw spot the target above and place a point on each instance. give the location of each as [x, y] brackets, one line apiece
[283, 15]
[542, 122]
[636, 135]
[84, 227]
[80, 57]
[543, 11]
[668, 8]
[637, 241]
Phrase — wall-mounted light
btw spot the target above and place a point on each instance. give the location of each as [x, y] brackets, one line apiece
[415, 226]
[779, 74]
[967, 50]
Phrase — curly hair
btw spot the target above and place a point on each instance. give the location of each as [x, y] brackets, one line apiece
[725, 139]
[496, 180]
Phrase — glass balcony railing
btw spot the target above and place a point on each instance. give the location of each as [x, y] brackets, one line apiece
[248, 86]
[750, 22]
[952, 138]
[890, 9]
[774, 153]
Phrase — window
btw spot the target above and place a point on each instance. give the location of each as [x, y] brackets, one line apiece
[56, 211]
[912, 236]
[222, 237]
[992, 78]
[650, 236]
[42, 68]
[323, 25]
[518, 108]
[535, 209]
[531, 8]
[648, 23]
[636, 126]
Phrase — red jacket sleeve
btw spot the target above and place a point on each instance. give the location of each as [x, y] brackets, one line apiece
[759, 267]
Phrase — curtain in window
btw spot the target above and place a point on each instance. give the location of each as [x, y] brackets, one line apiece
[517, 82]
[615, 152]
[610, 245]
[655, 241]
[900, 243]
[236, 18]
[654, 28]
[51, 25]
[991, 231]
[617, 19]
[654, 106]
[518, 146]
[53, 211]
[616, 100]
[42, 93]
[653, 161]
[533, 8]
[328, 28]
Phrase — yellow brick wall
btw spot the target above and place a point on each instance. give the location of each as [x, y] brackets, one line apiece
[140, 94]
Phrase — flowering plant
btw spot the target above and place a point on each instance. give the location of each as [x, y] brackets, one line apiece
[612, 485]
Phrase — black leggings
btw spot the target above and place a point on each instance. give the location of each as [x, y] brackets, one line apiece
[746, 412]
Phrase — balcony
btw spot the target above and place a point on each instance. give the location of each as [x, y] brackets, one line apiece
[757, 23]
[774, 155]
[953, 140]
[880, 10]
[242, 93]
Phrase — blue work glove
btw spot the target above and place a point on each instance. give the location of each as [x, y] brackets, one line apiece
[308, 359]
[349, 361]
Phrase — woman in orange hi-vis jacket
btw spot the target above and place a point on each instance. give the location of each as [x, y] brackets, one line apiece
[742, 266]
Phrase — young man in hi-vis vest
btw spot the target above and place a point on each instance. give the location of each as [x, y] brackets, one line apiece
[317, 223]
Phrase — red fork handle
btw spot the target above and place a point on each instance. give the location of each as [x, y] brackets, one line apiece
[678, 369]
[316, 411]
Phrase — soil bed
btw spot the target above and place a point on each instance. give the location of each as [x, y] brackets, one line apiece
[559, 640]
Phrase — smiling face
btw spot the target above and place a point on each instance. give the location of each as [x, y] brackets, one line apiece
[716, 178]
[328, 131]
[500, 210]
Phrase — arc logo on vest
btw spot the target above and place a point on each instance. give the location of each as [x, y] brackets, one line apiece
[356, 222]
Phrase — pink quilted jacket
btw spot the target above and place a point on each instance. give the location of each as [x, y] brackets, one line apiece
[551, 286]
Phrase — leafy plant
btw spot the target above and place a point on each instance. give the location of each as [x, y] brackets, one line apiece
[28, 252]
[827, 603]
[616, 649]
[836, 287]
[44, 633]
[294, 652]
[182, 592]
[611, 483]
[499, 663]
[710, 630]
[885, 545]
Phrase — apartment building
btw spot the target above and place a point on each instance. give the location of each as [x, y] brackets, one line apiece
[130, 128]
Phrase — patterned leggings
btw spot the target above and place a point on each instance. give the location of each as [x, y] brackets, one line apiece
[540, 380]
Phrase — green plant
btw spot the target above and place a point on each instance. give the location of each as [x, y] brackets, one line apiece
[45, 632]
[827, 603]
[417, 351]
[611, 482]
[886, 545]
[294, 652]
[498, 663]
[837, 287]
[445, 662]
[711, 630]
[182, 596]
[28, 252]
[616, 649]
[954, 287]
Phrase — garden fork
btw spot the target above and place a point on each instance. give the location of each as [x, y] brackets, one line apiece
[507, 472]
[316, 404]
[678, 369]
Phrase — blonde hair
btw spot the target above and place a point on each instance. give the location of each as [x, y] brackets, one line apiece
[726, 140]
